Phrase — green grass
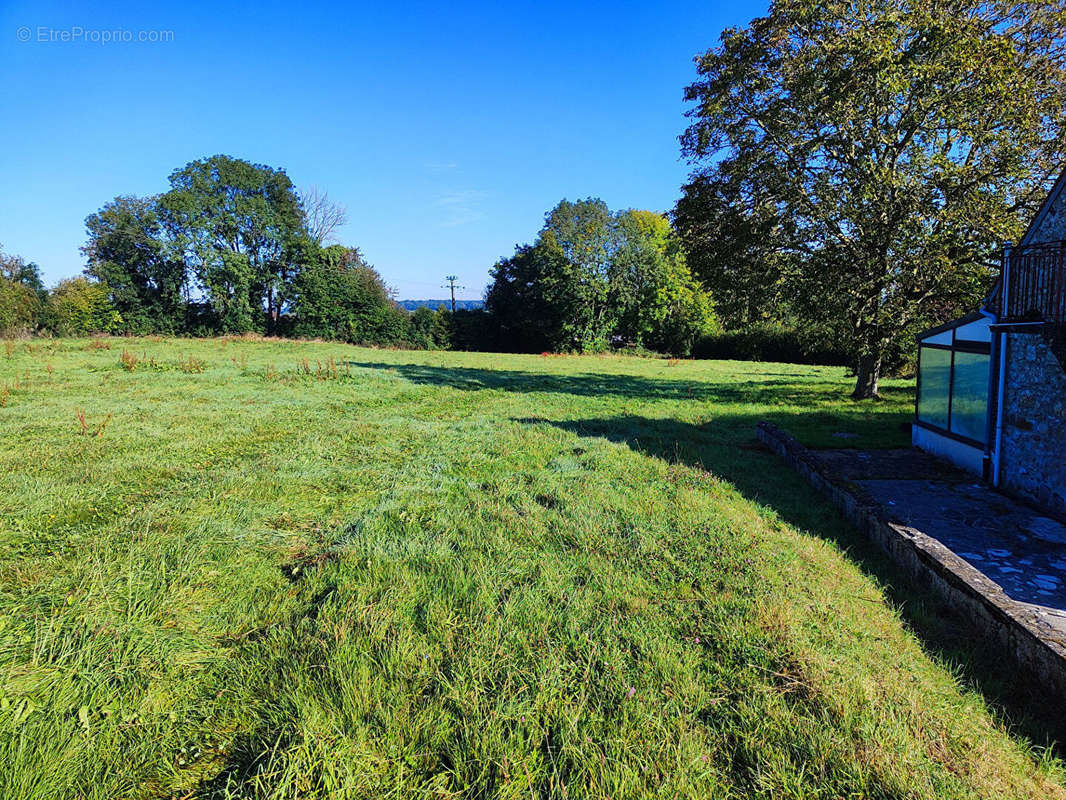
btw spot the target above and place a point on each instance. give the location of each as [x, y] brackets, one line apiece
[454, 575]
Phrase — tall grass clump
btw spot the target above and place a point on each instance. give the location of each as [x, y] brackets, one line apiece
[192, 366]
[128, 360]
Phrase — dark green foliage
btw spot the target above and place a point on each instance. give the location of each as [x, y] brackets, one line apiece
[595, 279]
[420, 325]
[770, 341]
[337, 295]
[233, 223]
[228, 250]
[866, 165]
[430, 329]
[473, 329]
[732, 245]
[19, 308]
[200, 319]
[582, 239]
[524, 298]
[21, 295]
[126, 252]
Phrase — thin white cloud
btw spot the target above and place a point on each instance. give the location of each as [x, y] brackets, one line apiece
[442, 166]
[460, 208]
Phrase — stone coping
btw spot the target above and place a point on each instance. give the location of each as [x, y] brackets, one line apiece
[1021, 631]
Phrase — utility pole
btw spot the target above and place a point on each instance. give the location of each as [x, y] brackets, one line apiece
[451, 285]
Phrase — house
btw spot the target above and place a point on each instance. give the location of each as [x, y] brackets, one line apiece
[992, 385]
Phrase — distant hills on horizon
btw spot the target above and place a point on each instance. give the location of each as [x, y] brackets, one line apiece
[465, 305]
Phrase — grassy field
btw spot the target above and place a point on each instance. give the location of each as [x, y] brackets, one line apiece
[232, 568]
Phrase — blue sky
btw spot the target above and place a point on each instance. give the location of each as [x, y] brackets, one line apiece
[447, 130]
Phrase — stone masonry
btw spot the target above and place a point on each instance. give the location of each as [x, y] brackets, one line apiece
[1034, 429]
[1031, 636]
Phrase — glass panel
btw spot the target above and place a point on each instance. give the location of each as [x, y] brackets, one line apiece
[944, 337]
[935, 367]
[969, 404]
[979, 331]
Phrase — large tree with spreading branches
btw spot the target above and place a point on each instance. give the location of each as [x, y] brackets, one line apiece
[865, 159]
[234, 225]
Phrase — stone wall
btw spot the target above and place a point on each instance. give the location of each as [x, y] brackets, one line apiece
[1016, 629]
[1052, 227]
[1034, 423]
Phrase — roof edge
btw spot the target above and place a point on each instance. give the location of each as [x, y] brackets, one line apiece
[1045, 207]
[955, 323]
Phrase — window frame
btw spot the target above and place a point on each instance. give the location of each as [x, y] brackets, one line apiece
[957, 346]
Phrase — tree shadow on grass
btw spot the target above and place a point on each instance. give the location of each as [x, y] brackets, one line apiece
[726, 446]
[829, 409]
[599, 384]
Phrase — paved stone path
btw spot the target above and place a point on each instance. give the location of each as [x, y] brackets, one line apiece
[1014, 545]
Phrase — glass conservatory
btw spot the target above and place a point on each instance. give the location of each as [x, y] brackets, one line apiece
[954, 386]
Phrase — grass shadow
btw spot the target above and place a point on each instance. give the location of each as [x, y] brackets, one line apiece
[248, 757]
[816, 411]
[596, 384]
[828, 408]
[726, 446]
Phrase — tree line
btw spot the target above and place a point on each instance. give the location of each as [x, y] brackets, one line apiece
[231, 248]
[234, 248]
[854, 176]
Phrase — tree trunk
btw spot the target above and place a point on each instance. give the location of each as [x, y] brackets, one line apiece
[866, 378]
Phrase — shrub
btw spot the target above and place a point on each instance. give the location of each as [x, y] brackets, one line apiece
[430, 329]
[770, 341]
[78, 307]
[20, 308]
[339, 296]
[473, 329]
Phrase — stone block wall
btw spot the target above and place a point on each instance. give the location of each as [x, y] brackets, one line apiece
[1034, 422]
[1018, 630]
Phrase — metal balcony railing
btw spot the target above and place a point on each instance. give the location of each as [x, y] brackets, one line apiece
[1033, 285]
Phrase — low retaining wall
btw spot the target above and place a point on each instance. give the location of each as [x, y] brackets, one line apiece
[1017, 629]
